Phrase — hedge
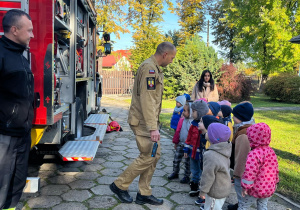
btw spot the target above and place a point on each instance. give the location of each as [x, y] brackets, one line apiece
[285, 87]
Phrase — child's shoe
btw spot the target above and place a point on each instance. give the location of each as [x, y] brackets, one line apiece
[173, 176]
[185, 180]
[200, 201]
[194, 189]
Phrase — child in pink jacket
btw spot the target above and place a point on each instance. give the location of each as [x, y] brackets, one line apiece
[261, 171]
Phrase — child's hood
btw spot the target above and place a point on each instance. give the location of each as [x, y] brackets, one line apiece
[259, 135]
[223, 148]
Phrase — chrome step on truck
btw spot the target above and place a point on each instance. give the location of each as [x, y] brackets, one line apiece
[85, 148]
[82, 149]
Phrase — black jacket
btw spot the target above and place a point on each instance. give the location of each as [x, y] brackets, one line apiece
[16, 89]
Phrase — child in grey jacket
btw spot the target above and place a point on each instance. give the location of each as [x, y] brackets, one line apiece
[215, 183]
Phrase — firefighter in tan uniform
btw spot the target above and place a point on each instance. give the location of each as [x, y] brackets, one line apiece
[144, 121]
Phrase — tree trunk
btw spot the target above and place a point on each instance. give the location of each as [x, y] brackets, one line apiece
[260, 81]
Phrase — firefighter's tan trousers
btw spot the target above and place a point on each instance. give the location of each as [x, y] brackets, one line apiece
[144, 165]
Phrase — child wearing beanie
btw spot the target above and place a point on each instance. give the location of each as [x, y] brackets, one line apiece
[180, 102]
[204, 144]
[179, 138]
[261, 163]
[202, 99]
[214, 108]
[225, 114]
[187, 97]
[215, 182]
[242, 117]
[192, 143]
[224, 102]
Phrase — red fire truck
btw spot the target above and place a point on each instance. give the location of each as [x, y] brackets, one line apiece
[67, 86]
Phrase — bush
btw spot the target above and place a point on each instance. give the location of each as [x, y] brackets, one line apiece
[232, 85]
[285, 87]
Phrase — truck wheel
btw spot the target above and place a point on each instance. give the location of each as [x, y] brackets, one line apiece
[79, 119]
[35, 156]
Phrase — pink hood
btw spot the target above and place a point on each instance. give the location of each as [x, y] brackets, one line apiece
[259, 135]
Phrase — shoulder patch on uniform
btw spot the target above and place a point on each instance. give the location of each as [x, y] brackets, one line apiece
[151, 71]
[150, 83]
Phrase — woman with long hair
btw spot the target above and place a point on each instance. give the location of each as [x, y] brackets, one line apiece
[205, 88]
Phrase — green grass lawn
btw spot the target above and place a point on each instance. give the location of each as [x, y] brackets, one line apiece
[285, 141]
[259, 100]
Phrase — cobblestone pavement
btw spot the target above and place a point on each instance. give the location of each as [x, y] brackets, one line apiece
[84, 185]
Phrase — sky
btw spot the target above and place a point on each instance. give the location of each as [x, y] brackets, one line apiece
[170, 23]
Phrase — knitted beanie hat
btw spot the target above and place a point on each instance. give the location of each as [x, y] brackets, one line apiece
[181, 100]
[214, 107]
[209, 119]
[203, 99]
[187, 96]
[224, 102]
[218, 132]
[226, 110]
[201, 108]
[243, 111]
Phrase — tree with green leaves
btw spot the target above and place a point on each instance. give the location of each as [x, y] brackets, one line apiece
[175, 36]
[144, 16]
[111, 16]
[191, 59]
[223, 33]
[263, 29]
[191, 15]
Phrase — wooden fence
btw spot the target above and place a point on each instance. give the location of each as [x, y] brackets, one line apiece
[117, 82]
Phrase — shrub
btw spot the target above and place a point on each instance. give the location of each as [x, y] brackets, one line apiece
[232, 85]
[285, 87]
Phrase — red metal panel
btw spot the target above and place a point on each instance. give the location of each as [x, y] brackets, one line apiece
[7, 4]
[10, 5]
[41, 12]
[2, 13]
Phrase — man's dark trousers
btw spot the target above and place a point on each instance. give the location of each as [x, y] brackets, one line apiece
[14, 153]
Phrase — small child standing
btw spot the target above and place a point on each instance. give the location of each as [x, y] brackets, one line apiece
[204, 144]
[225, 114]
[179, 138]
[180, 102]
[215, 184]
[243, 118]
[192, 143]
[261, 172]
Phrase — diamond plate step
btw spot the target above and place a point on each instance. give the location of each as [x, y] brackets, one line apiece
[79, 150]
[98, 135]
[97, 119]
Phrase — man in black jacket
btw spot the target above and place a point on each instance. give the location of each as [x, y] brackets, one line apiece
[16, 106]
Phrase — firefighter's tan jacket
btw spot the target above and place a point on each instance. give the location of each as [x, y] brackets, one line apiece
[146, 97]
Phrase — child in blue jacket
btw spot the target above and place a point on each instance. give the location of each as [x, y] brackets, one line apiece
[180, 102]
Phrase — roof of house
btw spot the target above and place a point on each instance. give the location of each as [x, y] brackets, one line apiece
[111, 60]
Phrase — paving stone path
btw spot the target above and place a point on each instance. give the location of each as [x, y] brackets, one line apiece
[85, 185]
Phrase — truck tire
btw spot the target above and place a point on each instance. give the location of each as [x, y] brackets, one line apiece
[35, 156]
[79, 118]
